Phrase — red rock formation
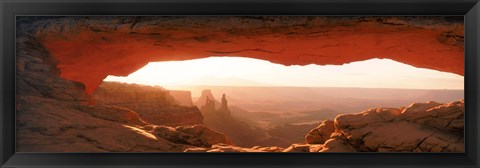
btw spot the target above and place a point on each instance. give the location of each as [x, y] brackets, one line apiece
[209, 108]
[182, 97]
[224, 111]
[52, 115]
[197, 135]
[321, 133]
[204, 97]
[220, 120]
[84, 46]
[154, 104]
[421, 127]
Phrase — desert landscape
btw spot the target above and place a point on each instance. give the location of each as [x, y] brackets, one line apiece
[67, 100]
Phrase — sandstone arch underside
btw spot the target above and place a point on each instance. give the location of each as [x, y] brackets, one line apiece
[90, 48]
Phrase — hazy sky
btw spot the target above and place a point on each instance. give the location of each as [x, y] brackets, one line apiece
[238, 71]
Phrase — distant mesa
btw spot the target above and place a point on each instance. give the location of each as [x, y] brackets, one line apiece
[182, 97]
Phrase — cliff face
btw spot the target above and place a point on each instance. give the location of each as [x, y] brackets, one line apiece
[183, 98]
[114, 92]
[154, 104]
[60, 64]
[53, 115]
[84, 46]
[38, 75]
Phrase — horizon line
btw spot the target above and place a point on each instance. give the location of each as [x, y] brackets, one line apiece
[286, 86]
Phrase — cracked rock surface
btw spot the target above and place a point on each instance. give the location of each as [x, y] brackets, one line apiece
[420, 127]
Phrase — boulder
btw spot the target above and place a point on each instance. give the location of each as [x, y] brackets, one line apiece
[420, 127]
[337, 143]
[442, 116]
[321, 133]
[196, 135]
[298, 148]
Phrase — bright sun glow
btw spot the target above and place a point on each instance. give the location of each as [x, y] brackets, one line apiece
[239, 71]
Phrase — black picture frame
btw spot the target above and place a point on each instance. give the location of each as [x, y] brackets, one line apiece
[469, 8]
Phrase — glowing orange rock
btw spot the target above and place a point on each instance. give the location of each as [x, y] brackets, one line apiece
[90, 48]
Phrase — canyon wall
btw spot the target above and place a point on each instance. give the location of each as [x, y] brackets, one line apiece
[53, 115]
[182, 97]
[154, 104]
[61, 60]
[84, 46]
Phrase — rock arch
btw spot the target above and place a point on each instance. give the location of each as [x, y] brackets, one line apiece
[90, 48]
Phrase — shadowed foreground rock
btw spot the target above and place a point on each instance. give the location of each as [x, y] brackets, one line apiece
[46, 125]
[53, 115]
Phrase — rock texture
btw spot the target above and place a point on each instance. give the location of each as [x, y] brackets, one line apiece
[230, 148]
[302, 148]
[64, 60]
[154, 104]
[84, 46]
[53, 115]
[421, 127]
[196, 135]
[38, 75]
[47, 125]
[321, 134]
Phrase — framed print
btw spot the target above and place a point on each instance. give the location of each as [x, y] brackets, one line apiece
[251, 83]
